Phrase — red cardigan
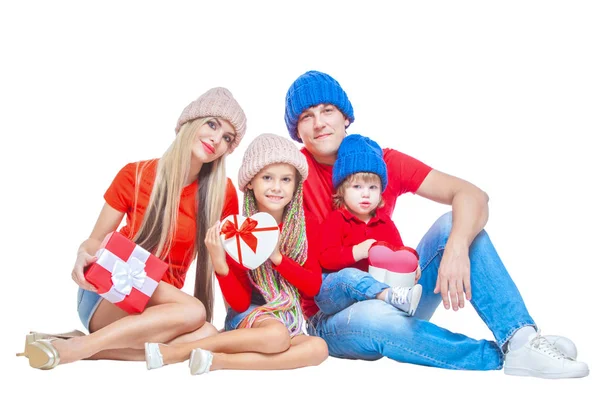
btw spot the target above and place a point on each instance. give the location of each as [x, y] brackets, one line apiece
[341, 231]
[237, 287]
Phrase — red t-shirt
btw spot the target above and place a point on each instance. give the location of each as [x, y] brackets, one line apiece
[341, 231]
[121, 195]
[237, 287]
[405, 174]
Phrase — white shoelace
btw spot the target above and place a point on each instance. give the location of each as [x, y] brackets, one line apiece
[400, 295]
[542, 344]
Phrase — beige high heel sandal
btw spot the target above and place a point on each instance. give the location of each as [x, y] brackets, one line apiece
[42, 354]
[35, 336]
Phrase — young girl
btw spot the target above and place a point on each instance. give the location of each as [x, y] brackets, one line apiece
[267, 304]
[359, 177]
[160, 199]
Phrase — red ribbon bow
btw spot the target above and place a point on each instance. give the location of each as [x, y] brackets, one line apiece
[244, 232]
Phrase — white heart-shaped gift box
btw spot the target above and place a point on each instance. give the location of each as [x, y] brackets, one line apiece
[249, 240]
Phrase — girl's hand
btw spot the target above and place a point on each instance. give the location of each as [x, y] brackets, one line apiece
[83, 260]
[216, 250]
[276, 257]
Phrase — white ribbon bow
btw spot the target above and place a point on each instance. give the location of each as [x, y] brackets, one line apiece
[126, 275]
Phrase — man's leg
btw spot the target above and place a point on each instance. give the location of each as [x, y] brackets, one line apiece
[495, 296]
[372, 329]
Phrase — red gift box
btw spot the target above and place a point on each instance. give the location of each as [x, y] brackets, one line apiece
[125, 273]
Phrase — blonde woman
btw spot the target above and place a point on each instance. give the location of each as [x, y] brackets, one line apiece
[169, 204]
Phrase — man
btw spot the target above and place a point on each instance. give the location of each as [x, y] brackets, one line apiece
[458, 262]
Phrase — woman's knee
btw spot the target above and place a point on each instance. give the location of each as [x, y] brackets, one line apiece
[193, 315]
[275, 338]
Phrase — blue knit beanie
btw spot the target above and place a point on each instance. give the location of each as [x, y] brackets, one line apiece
[311, 89]
[358, 153]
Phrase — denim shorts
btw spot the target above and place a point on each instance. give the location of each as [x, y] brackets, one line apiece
[233, 318]
[87, 303]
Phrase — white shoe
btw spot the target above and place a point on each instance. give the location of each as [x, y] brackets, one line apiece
[154, 358]
[200, 361]
[406, 298]
[565, 345]
[541, 359]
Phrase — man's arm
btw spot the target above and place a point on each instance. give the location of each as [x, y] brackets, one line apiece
[469, 216]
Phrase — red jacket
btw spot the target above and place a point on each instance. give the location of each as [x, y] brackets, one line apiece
[237, 287]
[341, 231]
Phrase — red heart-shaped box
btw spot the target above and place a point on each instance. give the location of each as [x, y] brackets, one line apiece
[393, 265]
[393, 258]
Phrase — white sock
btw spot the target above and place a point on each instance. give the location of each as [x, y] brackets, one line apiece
[520, 337]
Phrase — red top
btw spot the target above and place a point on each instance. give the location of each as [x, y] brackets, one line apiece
[237, 287]
[405, 174]
[341, 231]
[121, 196]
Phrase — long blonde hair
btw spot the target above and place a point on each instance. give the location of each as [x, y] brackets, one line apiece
[158, 229]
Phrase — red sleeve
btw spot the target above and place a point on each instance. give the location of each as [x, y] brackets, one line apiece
[405, 174]
[231, 205]
[119, 194]
[334, 255]
[307, 277]
[236, 286]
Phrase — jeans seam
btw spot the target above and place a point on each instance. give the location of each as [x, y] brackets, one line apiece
[398, 345]
[439, 251]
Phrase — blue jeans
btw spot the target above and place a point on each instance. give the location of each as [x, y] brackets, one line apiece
[356, 325]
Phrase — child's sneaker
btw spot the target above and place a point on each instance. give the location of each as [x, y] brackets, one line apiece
[542, 359]
[405, 298]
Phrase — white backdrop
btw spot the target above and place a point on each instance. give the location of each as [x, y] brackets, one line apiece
[502, 94]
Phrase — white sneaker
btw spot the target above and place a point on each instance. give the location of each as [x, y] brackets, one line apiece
[154, 358]
[541, 359]
[200, 361]
[565, 345]
[406, 298]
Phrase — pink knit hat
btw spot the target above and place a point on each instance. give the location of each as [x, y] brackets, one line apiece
[269, 149]
[217, 102]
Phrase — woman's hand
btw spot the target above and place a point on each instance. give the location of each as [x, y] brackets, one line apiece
[84, 259]
[216, 250]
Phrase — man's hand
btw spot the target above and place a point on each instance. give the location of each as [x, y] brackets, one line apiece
[454, 277]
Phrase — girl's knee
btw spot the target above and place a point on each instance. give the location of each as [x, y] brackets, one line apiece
[318, 351]
[276, 338]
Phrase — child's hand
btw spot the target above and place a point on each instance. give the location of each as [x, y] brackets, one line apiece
[361, 250]
[216, 250]
[276, 257]
[417, 274]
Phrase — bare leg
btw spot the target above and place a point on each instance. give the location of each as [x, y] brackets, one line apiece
[305, 351]
[170, 313]
[267, 335]
[138, 354]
